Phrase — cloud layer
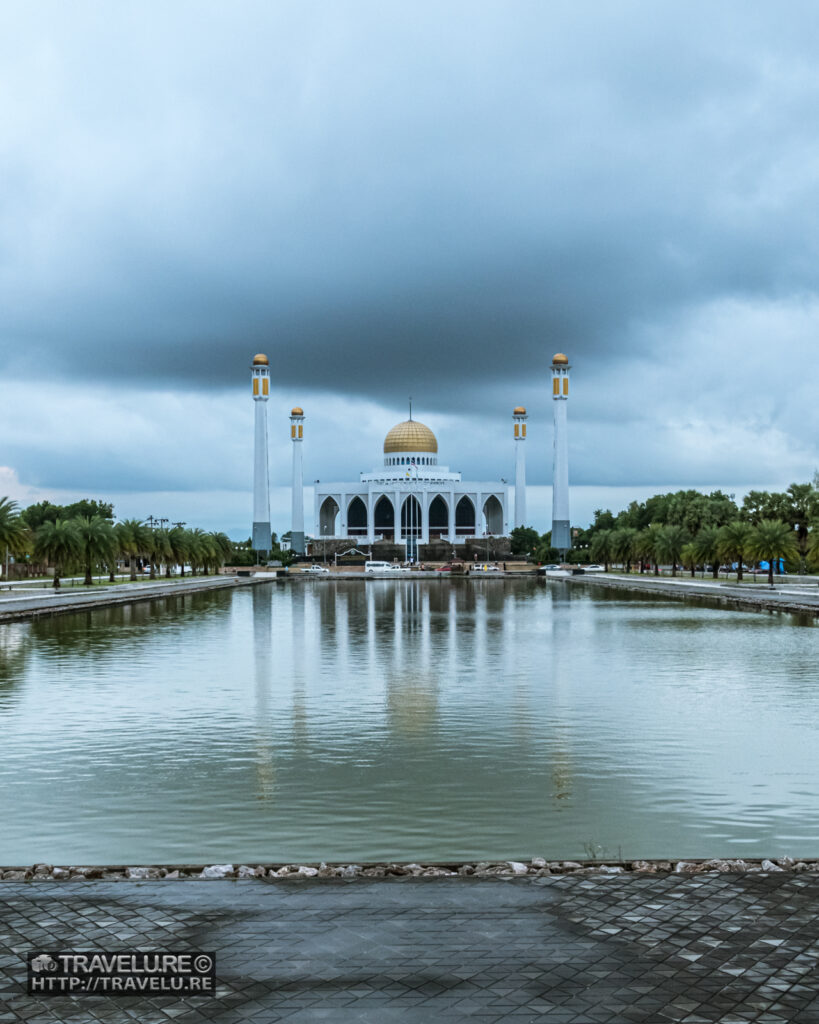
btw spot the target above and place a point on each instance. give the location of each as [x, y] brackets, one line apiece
[395, 201]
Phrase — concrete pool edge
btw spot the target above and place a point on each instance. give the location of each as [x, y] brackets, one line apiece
[536, 867]
[720, 593]
[29, 606]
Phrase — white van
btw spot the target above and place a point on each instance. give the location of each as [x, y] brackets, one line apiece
[378, 567]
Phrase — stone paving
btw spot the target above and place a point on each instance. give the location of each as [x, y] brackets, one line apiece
[564, 950]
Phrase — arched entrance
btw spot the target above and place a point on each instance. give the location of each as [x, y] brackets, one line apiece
[328, 514]
[438, 517]
[357, 518]
[384, 517]
[464, 517]
[493, 515]
[411, 525]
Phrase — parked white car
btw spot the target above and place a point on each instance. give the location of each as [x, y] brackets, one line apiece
[593, 568]
[317, 570]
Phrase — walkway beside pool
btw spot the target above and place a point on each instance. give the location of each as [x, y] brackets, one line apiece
[562, 950]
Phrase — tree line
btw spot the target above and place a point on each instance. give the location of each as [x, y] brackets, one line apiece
[688, 528]
[83, 536]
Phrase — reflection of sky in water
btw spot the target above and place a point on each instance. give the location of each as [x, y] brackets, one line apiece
[406, 720]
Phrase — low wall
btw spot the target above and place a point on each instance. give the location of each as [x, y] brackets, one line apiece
[55, 602]
[759, 599]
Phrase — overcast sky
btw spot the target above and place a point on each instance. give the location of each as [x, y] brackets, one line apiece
[426, 199]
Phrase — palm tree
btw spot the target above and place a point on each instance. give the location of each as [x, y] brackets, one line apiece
[622, 545]
[224, 545]
[179, 547]
[771, 540]
[654, 530]
[97, 542]
[670, 541]
[57, 541]
[194, 539]
[207, 549]
[706, 545]
[813, 544]
[132, 537]
[601, 548]
[733, 543]
[13, 533]
[159, 549]
[644, 544]
[219, 546]
[688, 557]
[143, 542]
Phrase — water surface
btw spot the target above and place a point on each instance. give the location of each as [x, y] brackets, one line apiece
[407, 720]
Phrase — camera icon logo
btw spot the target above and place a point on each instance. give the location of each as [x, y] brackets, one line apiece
[44, 962]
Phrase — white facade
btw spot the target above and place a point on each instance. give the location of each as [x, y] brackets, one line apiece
[411, 499]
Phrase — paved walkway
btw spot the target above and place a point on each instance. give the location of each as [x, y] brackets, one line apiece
[561, 950]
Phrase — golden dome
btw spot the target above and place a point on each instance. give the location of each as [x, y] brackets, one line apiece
[410, 436]
[520, 410]
[559, 358]
[297, 411]
[261, 360]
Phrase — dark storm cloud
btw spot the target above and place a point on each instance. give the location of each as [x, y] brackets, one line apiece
[396, 198]
[428, 200]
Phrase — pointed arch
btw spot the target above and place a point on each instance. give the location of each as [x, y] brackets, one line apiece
[438, 517]
[328, 513]
[411, 517]
[384, 516]
[357, 518]
[493, 515]
[465, 517]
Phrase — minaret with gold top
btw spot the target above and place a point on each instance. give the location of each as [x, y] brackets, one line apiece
[519, 416]
[561, 529]
[260, 381]
[297, 499]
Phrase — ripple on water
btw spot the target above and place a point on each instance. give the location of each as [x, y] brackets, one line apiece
[425, 721]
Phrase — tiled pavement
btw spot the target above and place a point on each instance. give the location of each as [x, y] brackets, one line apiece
[560, 950]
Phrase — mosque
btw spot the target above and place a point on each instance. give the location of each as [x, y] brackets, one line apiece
[412, 499]
[411, 502]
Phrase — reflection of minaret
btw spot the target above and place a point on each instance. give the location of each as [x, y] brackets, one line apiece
[297, 505]
[262, 599]
[519, 416]
[561, 530]
[261, 474]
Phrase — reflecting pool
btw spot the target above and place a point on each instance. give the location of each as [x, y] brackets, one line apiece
[407, 720]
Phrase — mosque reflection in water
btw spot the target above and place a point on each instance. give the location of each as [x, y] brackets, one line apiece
[413, 641]
[405, 719]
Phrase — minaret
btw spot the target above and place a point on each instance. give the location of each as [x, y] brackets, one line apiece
[561, 530]
[519, 416]
[260, 377]
[297, 504]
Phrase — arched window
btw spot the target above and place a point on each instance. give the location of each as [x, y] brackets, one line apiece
[411, 517]
[356, 518]
[464, 517]
[384, 516]
[327, 517]
[493, 515]
[438, 517]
